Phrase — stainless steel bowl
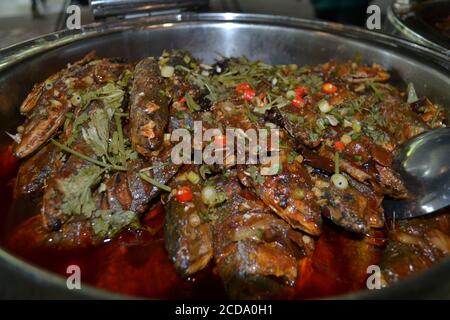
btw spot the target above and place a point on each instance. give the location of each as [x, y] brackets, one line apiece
[414, 20]
[210, 36]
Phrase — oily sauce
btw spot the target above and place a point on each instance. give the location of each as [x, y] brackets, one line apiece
[135, 263]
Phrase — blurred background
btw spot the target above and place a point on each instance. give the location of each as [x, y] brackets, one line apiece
[24, 19]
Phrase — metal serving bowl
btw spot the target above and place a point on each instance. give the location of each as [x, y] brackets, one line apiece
[414, 20]
[208, 37]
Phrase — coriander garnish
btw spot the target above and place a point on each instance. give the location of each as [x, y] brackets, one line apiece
[87, 158]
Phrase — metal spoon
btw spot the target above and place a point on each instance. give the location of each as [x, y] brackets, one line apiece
[424, 164]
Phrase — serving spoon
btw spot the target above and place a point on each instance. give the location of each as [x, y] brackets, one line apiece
[424, 164]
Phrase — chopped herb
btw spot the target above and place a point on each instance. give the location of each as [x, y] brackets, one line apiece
[208, 117]
[192, 105]
[107, 223]
[332, 132]
[76, 191]
[179, 115]
[435, 116]
[255, 175]
[320, 124]
[313, 136]
[102, 187]
[120, 148]
[299, 194]
[111, 95]
[207, 217]
[204, 170]
[212, 197]
[156, 166]
[312, 81]
[125, 79]
[251, 116]
[294, 117]
[97, 134]
[260, 234]
[193, 177]
[76, 127]
[89, 159]
[336, 163]
[291, 157]
[377, 88]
